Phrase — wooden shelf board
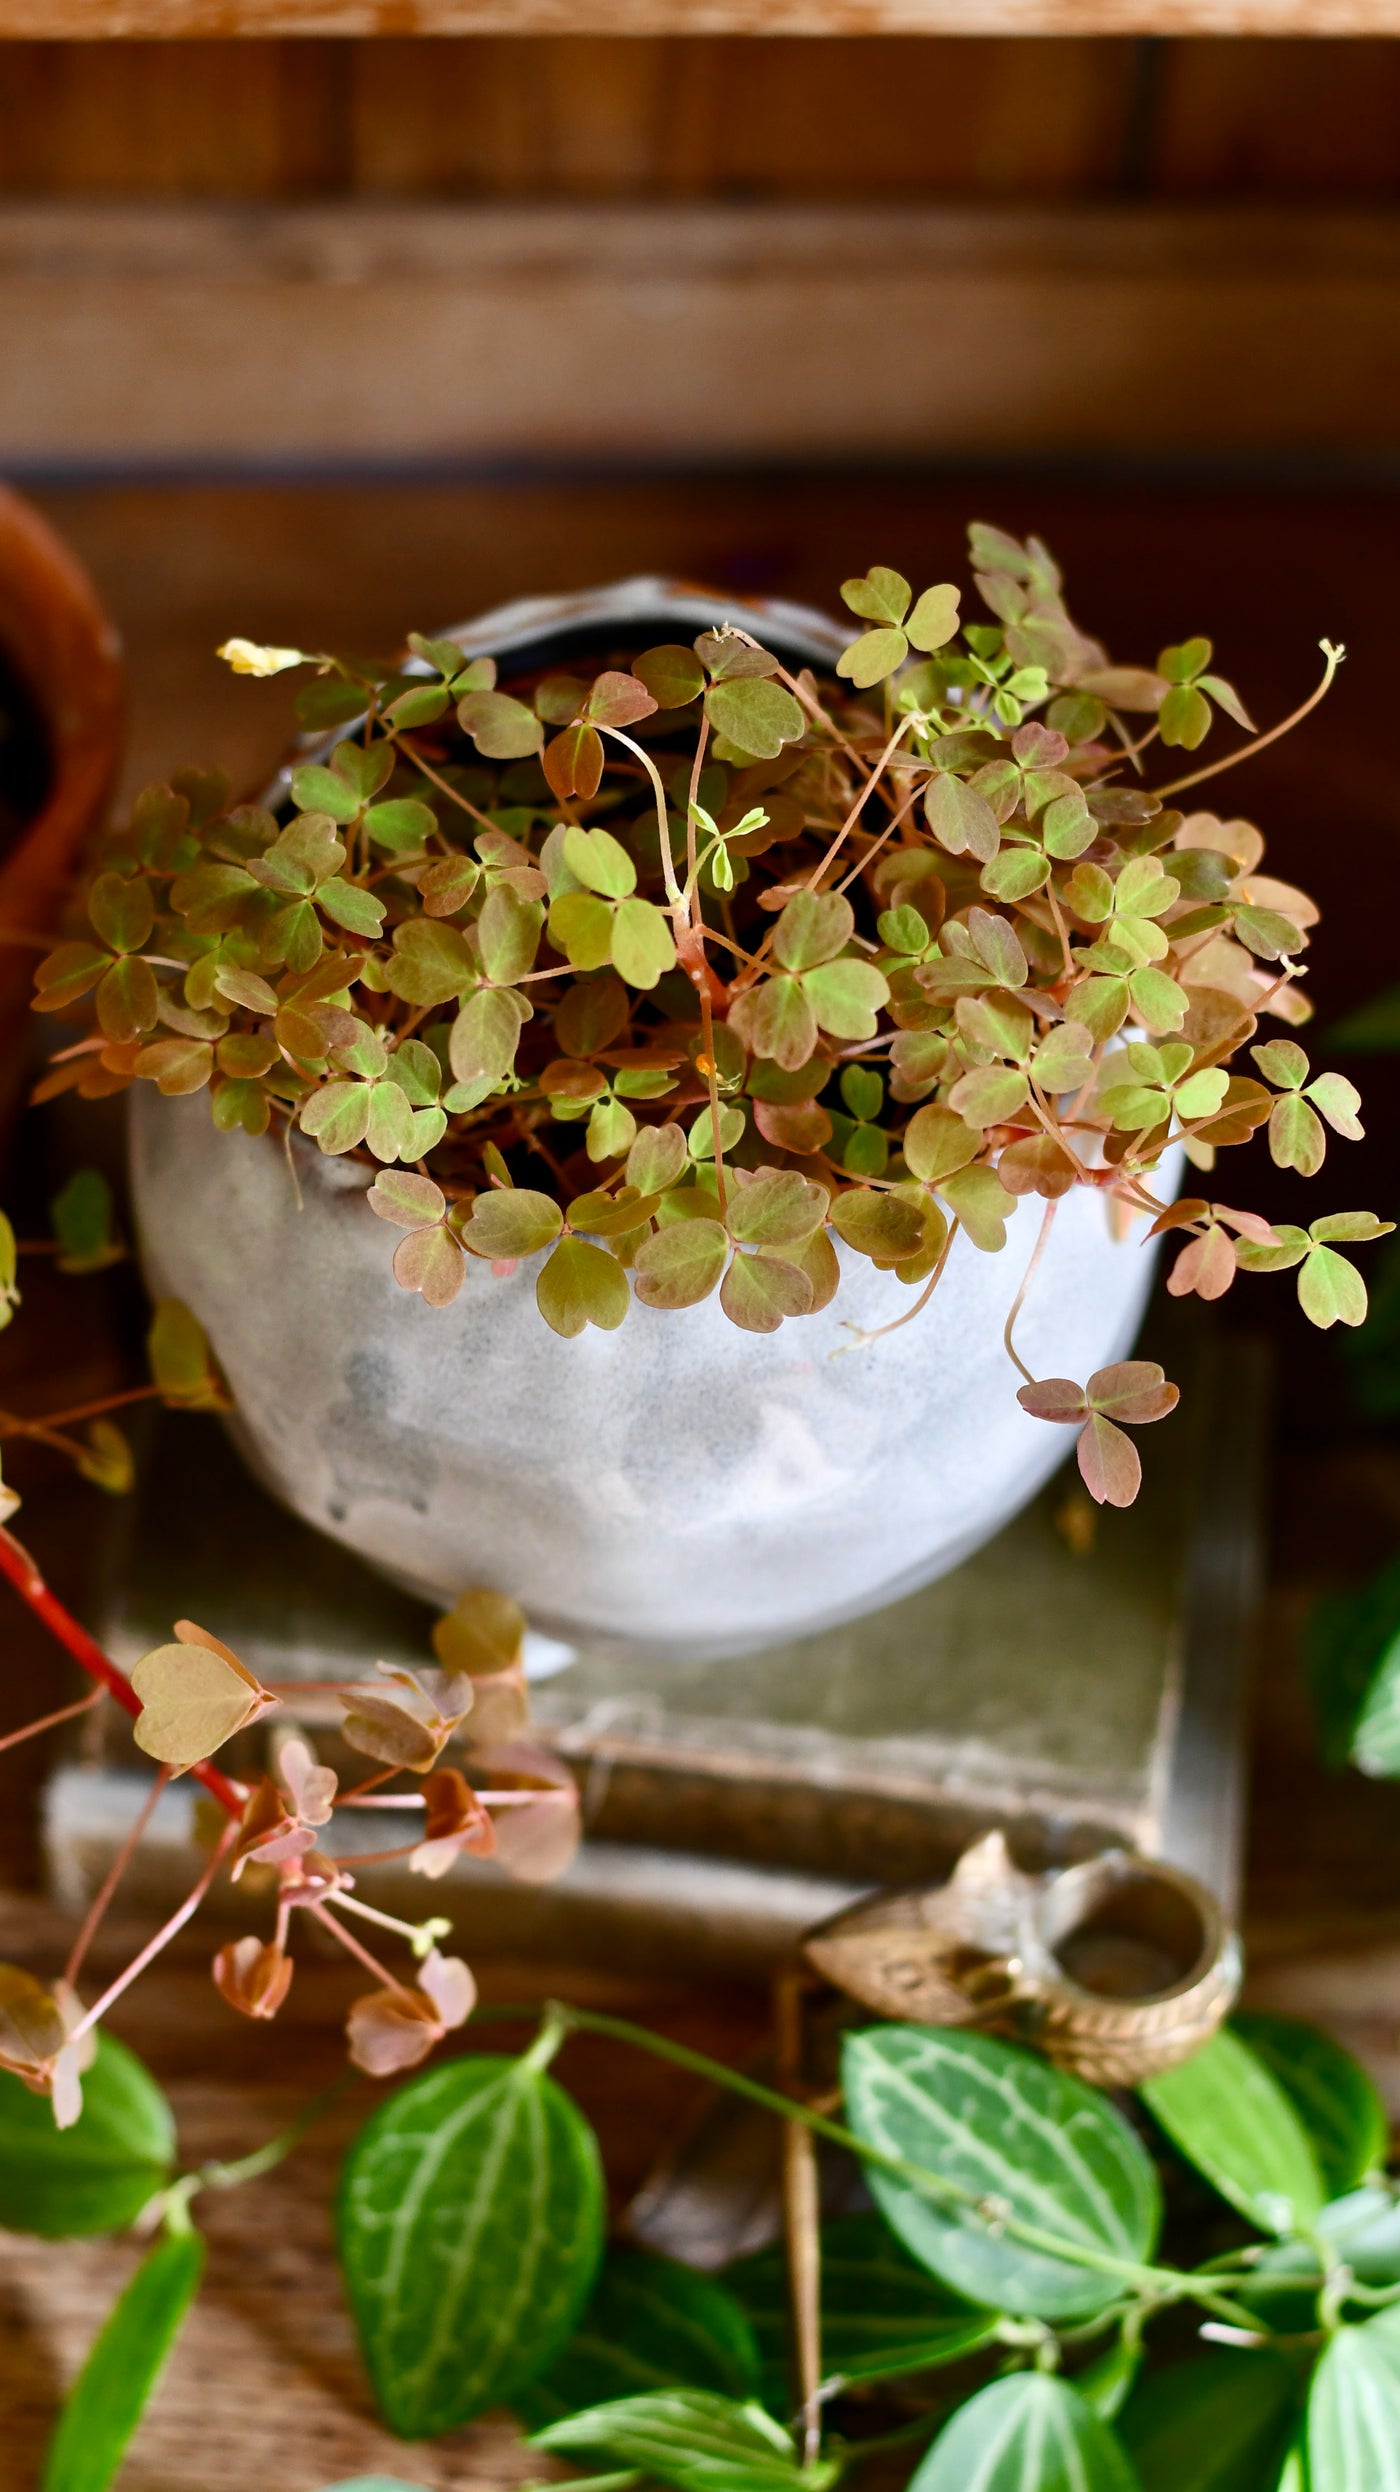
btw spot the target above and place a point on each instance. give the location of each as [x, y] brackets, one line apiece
[87, 20]
[691, 331]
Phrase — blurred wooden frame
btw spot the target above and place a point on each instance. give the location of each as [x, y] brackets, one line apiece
[688, 332]
[87, 19]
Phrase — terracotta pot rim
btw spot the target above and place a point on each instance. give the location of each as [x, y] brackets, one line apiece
[65, 650]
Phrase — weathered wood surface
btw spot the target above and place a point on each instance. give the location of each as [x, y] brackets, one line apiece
[89, 20]
[748, 116]
[691, 331]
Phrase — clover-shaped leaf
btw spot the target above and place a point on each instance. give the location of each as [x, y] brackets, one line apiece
[511, 1222]
[406, 1717]
[682, 1264]
[1184, 717]
[1208, 1264]
[1131, 1393]
[755, 716]
[183, 1367]
[960, 817]
[194, 1695]
[1330, 1289]
[882, 598]
[582, 1284]
[672, 675]
[499, 726]
[780, 1018]
[1296, 1136]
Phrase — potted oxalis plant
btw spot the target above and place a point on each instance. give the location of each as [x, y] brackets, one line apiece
[678, 999]
[693, 1010]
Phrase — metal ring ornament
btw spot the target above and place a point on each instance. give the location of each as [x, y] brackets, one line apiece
[1116, 1968]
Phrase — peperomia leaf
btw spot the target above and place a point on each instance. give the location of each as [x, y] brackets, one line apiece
[1218, 2423]
[882, 2314]
[97, 2175]
[374, 2483]
[690, 2438]
[651, 2324]
[1230, 2117]
[1031, 2433]
[1353, 2428]
[115, 2384]
[1331, 2092]
[1010, 2133]
[470, 2228]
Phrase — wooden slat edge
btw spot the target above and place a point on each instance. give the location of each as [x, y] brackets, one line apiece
[89, 20]
[690, 331]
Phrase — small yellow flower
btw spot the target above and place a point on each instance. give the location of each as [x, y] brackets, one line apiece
[248, 657]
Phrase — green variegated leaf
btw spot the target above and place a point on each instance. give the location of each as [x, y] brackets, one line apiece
[882, 2315]
[1230, 2117]
[97, 2175]
[1353, 2430]
[651, 2324]
[124, 2364]
[1030, 2433]
[960, 818]
[1331, 2092]
[1218, 2423]
[1011, 2133]
[691, 2439]
[471, 2227]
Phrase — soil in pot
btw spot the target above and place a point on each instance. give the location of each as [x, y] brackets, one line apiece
[26, 758]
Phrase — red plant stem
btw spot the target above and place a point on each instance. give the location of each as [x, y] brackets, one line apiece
[16, 1562]
[163, 1936]
[50, 1721]
[352, 1946]
[110, 1883]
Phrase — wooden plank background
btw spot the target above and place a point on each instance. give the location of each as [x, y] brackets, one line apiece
[661, 248]
[86, 20]
[901, 117]
[683, 331]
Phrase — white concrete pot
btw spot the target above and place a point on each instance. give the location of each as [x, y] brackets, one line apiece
[677, 1486]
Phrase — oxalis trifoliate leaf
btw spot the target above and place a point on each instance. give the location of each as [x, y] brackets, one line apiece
[470, 2229]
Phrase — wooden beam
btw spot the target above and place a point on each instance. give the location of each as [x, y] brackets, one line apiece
[690, 332]
[86, 20]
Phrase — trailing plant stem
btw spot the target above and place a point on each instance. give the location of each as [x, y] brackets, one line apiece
[1165, 2284]
[1333, 655]
[16, 1562]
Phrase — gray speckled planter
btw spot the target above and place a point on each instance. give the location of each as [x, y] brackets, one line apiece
[678, 1486]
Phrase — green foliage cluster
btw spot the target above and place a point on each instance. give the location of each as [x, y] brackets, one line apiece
[677, 970]
[1006, 2313]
